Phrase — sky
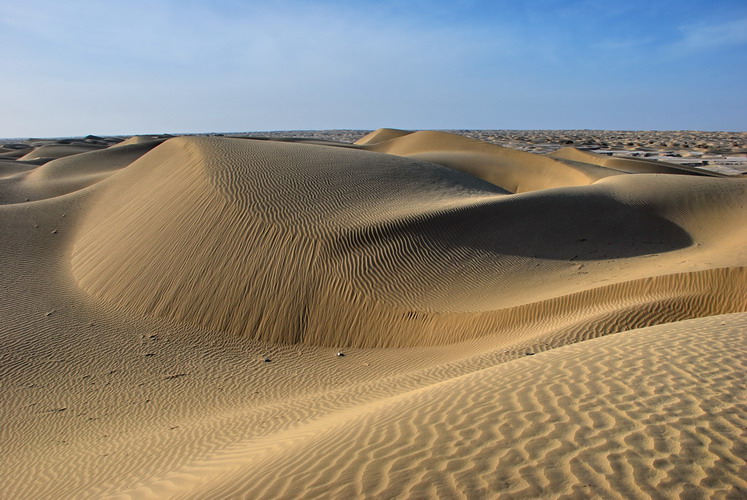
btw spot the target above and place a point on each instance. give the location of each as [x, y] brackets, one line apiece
[78, 67]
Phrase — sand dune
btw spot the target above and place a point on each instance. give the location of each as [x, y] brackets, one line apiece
[626, 416]
[57, 150]
[382, 135]
[628, 165]
[515, 171]
[173, 309]
[360, 234]
[70, 173]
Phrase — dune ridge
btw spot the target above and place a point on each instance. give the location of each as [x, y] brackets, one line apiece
[415, 315]
[367, 237]
[516, 171]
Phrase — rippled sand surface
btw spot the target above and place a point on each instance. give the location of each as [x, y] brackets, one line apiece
[396, 314]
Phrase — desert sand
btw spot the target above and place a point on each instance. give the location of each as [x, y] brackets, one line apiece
[385, 315]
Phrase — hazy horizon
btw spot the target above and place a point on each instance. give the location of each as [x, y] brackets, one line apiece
[196, 67]
[361, 130]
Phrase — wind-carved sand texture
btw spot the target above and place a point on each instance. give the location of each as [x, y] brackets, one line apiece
[416, 314]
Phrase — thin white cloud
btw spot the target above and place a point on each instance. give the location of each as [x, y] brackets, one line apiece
[285, 37]
[705, 37]
[85, 66]
[186, 66]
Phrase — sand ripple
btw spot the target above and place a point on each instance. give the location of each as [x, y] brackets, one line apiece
[334, 246]
[417, 315]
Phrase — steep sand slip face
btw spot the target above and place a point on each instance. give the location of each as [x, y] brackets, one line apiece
[508, 324]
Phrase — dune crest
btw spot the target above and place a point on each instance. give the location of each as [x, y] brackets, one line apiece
[510, 169]
[333, 246]
[381, 135]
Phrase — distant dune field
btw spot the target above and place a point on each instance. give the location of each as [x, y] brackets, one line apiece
[416, 314]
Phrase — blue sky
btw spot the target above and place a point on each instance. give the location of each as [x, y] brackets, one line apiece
[105, 67]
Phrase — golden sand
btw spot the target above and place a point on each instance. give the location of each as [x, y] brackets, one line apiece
[418, 314]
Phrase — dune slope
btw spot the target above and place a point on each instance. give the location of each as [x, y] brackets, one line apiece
[658, 412]
[416, 315]
[333, 246]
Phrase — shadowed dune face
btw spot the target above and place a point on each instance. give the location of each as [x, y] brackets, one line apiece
[583, 224]
[295, 242]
